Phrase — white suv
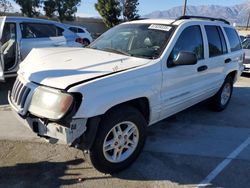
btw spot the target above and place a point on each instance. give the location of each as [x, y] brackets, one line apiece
[103, 97]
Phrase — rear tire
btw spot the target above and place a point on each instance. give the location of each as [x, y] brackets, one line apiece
[85, 42]
[119, 140]
[221, 99]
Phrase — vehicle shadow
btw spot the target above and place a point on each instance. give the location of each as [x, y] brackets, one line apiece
[45, 173]
[4, 88]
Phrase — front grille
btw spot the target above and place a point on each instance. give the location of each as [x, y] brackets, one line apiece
[19, 94]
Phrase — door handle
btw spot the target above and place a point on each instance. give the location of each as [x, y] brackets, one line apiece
[228, 60]
[202, 68]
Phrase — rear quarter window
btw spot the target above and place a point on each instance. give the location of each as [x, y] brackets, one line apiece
[233, 38]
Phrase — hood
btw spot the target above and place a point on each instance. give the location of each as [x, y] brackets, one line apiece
[61, 67]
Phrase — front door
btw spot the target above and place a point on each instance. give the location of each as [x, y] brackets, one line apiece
[2, 21]
[182, 85]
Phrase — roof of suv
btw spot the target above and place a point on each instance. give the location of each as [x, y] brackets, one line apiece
[183, 19]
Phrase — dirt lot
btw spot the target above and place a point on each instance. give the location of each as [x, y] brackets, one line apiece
[181, 151]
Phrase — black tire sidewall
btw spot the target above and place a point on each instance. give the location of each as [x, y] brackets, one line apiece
[218, 106]
[112, 118]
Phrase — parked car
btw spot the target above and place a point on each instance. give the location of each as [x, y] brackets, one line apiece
[246, 47]
[83, 33]
[18, 35]
[102, 98]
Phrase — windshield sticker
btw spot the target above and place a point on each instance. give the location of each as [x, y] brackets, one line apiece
[160, 27]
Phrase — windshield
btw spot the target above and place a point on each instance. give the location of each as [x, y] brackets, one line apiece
[246, 44]
[139, 40]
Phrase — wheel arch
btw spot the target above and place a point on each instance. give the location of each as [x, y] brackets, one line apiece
[141, 104]
[233, 75]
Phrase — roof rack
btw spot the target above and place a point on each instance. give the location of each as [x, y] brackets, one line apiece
[203, 18]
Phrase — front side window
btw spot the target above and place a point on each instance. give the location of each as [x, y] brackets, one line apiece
[233, 38]
[190, 40]
[138, 40]
[37, 30]
[214, 41]
[9, 33]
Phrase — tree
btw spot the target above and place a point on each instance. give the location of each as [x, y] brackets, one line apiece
[64, 9]
[130, 11]
[5, 6]
[49, 8]
[29, 7]
[110, 11]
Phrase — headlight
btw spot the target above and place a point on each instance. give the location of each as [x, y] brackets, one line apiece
[50, 103]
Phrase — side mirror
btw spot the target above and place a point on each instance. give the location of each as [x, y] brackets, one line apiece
[185, 58]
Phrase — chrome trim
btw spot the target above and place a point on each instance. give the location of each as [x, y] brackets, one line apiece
[21, 95]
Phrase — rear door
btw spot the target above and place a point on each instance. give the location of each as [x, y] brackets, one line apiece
[2, 21]
[40, 35]
[217, 55]
[236, 55]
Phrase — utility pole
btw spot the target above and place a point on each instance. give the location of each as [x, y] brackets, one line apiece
[248, 21]
[184, 8]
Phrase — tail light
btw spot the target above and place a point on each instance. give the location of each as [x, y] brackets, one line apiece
[79, 40]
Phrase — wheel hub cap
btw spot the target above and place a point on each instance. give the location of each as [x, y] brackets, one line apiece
[121, 142]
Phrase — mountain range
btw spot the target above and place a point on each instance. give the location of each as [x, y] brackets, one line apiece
[235, 14]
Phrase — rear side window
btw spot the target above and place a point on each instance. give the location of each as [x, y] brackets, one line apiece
[37, 30]
[223, 41]
[233, 38]
[190, 40]
[73, 29]
[216, 41]
[80, 30]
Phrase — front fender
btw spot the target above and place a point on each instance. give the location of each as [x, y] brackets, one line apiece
[99, 96]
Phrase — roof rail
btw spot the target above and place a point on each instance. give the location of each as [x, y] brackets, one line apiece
[203, 18]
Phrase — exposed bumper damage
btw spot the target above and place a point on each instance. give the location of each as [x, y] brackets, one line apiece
[54, 132]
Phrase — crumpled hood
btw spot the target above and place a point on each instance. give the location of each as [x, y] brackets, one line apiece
[61, 67]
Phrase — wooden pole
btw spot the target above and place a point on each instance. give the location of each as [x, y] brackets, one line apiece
[248, 21]
[184, 7]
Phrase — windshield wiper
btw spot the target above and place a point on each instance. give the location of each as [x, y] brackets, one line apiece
[116, 51]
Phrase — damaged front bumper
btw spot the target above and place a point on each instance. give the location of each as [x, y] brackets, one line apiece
[54, 132]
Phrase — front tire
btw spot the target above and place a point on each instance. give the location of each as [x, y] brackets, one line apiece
[220, 101]
[119, 140]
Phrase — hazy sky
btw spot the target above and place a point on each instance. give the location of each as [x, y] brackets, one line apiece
[148, 6]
